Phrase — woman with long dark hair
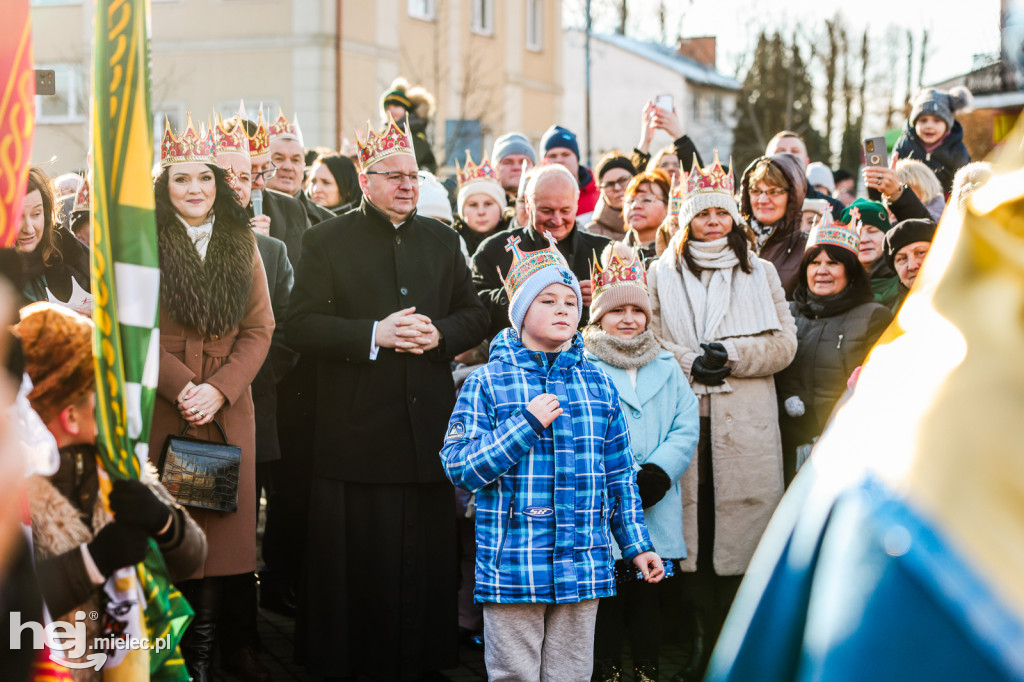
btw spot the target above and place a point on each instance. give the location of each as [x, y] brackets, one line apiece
[334, 183]
[723, 313]
[215, 327]
[837, 322]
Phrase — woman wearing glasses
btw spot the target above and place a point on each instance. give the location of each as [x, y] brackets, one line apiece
[772, 200]
[722, 312]
[613, 171]
[644, 209]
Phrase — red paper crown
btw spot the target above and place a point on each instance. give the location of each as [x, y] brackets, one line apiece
[283, 129]
[526, 264]
[392, 140]
[473, 173]
[618, 272]
[259, 142]
[714, 179]
[677, 193]
[191, 147]
[82, 197]
[829, 232]
[229, 137]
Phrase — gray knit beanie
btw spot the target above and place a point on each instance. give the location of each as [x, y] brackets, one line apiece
[512, 143]
[934, 102]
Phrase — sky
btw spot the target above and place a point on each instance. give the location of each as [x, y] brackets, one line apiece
[957, 29]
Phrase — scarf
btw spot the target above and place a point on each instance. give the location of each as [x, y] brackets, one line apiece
[200, 235]
[622, 353]
[724, 302]
[814, 306]
[761, 232]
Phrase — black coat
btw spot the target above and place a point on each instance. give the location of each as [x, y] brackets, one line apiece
[383, 420]
[288, 222]
[315, 212]
[578, 249]
[829, 347]
[280, 278]
[944, 161]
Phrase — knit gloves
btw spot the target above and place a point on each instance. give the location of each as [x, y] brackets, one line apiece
[134, 503]
[653, 483]
[709, 369]
[118, 545]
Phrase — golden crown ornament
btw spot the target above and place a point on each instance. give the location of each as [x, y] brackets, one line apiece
[191, 147]
[714, 179]
[618, 272]
[283, 129]
[82, 197]
[392, 140]
[525, 264]
[827, 231]
[229, 137]
[472, 172]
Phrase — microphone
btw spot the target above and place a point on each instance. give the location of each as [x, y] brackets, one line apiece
[257, 202]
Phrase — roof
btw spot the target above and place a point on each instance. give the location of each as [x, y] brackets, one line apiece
[668, 57]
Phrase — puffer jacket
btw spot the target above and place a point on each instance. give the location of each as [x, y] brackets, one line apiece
[945, 160]
[549, 504]
[830, 346]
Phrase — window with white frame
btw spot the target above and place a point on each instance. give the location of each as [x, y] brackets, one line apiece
[696, 107]
[70, 104]
[483, 16]
[535, 25]
[423, 9]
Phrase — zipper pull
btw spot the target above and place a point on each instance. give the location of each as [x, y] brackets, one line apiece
[79, 465]
[839, 345]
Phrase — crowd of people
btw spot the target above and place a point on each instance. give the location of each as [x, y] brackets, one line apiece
[505, 409]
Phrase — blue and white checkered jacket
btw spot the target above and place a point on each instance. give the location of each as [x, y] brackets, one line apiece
[549, 504]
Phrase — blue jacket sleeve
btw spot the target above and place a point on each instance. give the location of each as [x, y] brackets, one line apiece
[675, 453]
[627, 519]
[477, 451]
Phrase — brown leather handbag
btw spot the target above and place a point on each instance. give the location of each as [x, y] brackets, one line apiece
[200, 473]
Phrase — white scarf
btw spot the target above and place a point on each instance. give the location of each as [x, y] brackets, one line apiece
[200, 235]
[724, 302]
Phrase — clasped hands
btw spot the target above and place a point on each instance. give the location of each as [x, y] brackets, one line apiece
[198, 405]
[407, 332]
[710, 369]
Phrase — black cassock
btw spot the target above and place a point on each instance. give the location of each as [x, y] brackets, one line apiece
[381, 589]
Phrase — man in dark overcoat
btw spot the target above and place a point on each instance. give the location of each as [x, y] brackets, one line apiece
[383, 300]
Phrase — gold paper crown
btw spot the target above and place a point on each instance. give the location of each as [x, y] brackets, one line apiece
[259, 142]
[283, 129]
[474, 173]
[714, 179]
[392, 140]
[526, 264]
[618, 272]
[828, 231]
[191, 147]
[229, 137]
[82, 197]
[677, 193]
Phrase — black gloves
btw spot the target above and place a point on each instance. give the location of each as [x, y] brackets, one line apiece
[134, 503]
[118, 545]
[709, 368]
[653, 483]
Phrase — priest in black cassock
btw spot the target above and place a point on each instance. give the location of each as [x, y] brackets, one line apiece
[383, 299]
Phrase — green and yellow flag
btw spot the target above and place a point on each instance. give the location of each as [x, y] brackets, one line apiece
[17, 115]
[126, 288]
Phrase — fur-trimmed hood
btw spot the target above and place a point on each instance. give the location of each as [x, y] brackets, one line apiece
[793, 170]
[208, 295]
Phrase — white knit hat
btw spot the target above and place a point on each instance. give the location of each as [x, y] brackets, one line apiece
[433, 201]
[488, 187]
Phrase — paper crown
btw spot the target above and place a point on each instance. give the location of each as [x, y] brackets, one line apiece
[677, 192]
[712, 179]
[828, 231]
[191, 147]
[259, 142]
[473, 173]
[82, 197]
[525, 264]
[283, 129]
[618, 272]
[229, 137]
[392, 140]
[521, 191]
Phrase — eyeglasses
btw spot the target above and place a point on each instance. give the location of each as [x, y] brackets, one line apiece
[616, 184]
[643, 202]
[771, 193]
[395, 178]
[265, 174]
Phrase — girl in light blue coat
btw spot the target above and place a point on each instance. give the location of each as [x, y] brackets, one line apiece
[661, 411]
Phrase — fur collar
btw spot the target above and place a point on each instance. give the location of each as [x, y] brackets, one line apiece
[208, 295]
[622, 353]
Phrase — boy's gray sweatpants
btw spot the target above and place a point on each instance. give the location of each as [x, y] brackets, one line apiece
[539, 642]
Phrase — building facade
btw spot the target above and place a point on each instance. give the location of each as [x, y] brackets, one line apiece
[493, 66]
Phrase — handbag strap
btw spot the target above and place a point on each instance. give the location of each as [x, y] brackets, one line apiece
[216, 423]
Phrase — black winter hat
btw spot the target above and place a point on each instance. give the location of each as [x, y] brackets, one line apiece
[907, 232]
[610, 161]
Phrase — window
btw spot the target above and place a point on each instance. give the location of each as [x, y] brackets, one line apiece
[71, 103]
[483, 17]
[716, 108]
[696, 107]
[535, 25]
[461, 135]
[423, 9]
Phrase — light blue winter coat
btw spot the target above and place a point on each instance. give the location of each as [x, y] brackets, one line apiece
[664, 426]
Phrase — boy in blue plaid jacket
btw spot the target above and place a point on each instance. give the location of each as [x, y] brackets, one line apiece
[539, 436]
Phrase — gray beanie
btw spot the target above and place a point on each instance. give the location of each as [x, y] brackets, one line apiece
[934, 102]
[512, 143]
